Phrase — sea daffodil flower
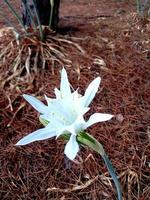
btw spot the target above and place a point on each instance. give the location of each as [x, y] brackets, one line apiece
[64, 114]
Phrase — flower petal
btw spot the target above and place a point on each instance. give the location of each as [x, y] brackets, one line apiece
[41, 134]
[57, 93]
[61, 109]
[91, 91]
[35, 103]
[64, 85]
[72, 148]
[97, 117]
[49, 102]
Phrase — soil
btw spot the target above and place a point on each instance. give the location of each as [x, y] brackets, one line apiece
[117, 48]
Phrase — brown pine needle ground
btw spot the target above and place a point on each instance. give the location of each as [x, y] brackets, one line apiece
[117, 50]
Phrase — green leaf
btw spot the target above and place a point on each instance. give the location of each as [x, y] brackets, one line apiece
[43, 121]
[38, 20]
[51, 12]
[90, 141]
[113, 175]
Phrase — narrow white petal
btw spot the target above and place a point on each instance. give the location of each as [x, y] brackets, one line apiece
[72, 147]
[97, 117]
[48, 100]
[67, 129]
[77, 104]
[83, 111]
[64, 85]
[35, 103]
[61, 109]
[71, 129]
[41, 134]
[91, 91]
[57, 93]
[46, 117]
[76, 126]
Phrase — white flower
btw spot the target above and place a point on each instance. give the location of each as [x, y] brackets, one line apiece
[65, 114]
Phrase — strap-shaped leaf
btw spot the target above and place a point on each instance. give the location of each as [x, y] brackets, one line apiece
[88, 140]
[113, 175]
[38, 20]
[51, 12]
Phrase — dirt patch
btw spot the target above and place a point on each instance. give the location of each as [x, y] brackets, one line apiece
[117, 46]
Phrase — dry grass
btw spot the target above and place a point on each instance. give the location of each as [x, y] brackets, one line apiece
[21, 59]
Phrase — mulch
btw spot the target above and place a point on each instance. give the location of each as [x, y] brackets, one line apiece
[118, 51]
